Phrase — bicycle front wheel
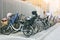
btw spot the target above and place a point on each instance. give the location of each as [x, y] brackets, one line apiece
[28, 31]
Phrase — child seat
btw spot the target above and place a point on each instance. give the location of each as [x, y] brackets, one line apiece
[14, 18]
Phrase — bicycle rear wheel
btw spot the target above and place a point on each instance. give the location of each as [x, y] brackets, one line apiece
[6, 31]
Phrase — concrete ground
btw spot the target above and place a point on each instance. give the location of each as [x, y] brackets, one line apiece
[39, 36]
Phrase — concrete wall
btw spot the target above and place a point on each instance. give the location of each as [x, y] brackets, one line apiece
[1, 9]
[15, 6]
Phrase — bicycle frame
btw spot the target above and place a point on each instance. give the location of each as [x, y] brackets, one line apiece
[12, 21]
